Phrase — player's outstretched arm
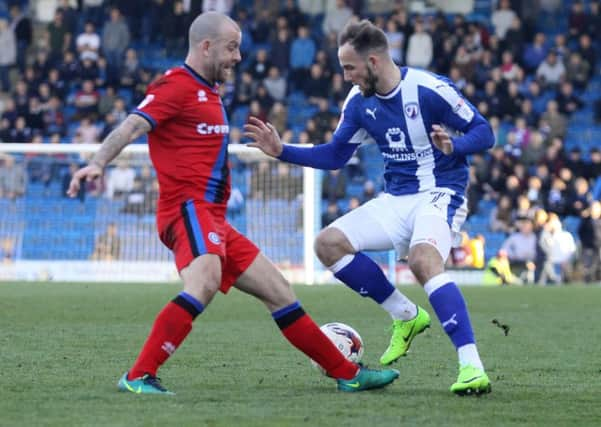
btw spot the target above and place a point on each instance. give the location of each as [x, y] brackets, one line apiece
[266, 137]
[331, 155]
[130, 129]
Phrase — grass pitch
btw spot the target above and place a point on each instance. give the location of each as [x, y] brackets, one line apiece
[64, 346]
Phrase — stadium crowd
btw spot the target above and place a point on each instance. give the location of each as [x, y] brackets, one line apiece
[71, 70]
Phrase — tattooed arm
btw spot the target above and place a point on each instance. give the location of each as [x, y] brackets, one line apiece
[131, 128]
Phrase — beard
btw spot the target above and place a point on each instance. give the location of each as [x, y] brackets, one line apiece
[370, 84]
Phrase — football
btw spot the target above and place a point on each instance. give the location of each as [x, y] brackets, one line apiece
[346, 339]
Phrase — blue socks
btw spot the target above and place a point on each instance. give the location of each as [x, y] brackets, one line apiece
[364, 276]
[449, 305]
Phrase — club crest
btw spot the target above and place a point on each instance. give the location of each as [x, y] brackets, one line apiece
[411, 110]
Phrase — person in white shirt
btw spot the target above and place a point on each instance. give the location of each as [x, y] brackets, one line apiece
[88, 43]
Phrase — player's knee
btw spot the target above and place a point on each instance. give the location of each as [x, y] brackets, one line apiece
[331, 245]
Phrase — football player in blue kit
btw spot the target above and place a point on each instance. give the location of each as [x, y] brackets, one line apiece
[424, 129]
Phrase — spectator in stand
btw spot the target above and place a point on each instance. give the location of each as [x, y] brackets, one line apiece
[278, 116]
[13, 178]
[589, 233]
[396, 41]
[86, 133]
[107, 99]
[557, 197]
[70, 15]
[501, 216]
[57, 85]
[88, 42]
[115, 39]
[523, 209]
[551, 71]
[593, 169]
[259, 66]
[580, 199]
[333, 186]
[245, 90]
[22, 28]
[59, 36]
[86, 100]
[577, 19]
[527, 112]
[534, 192]
[588, 52]
[9, 111]
[263, 98]
[280, 50]
[567, 100]
[108, 245]
[130, 71]
[560, 247]
[515, 38]
[521, 250]
[120, 180]
[108, 125]
[276, 84]
[502, 18]
[555, 122]
[119, 110]
[302, 52]
[293, 15]
[336, 17]
[578, 71]
[21, 132]
[594, 20]
[8, 54]
[535, 53]
[419, 47]
[332, 213]
[316, 86]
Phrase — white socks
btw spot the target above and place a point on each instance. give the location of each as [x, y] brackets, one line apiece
[399, 306]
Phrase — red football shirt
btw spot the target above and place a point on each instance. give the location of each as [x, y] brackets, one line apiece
[189, 138]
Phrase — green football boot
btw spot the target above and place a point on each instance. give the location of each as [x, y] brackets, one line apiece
[367, 379]
[471, 381]
[146, 384]
[403, 332]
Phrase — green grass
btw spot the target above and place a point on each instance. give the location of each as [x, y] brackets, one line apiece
[64, 346]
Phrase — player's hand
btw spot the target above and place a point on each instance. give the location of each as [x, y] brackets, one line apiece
[265, 137]
[441, 139]
[87, 173]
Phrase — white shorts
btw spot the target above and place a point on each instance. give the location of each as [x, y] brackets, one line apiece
[400, 222]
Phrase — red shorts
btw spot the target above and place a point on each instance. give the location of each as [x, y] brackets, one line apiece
[201, 228]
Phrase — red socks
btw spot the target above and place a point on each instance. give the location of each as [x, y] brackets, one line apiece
[170, 328]
[304, 334]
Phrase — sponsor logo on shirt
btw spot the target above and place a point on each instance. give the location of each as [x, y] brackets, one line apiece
[202, 96]
[208, 129]
[396, 139]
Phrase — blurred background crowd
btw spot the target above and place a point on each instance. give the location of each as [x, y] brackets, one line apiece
[71, 70]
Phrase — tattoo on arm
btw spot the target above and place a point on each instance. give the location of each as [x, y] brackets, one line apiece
[130, 129]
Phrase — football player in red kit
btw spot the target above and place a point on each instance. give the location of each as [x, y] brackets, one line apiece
[188, 137]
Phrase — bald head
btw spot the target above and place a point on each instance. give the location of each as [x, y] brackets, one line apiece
[209, 26]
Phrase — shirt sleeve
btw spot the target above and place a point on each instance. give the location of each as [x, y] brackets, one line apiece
[162, 102]
[457, 113]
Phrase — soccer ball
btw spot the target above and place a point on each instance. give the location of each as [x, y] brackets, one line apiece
[346, 339]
